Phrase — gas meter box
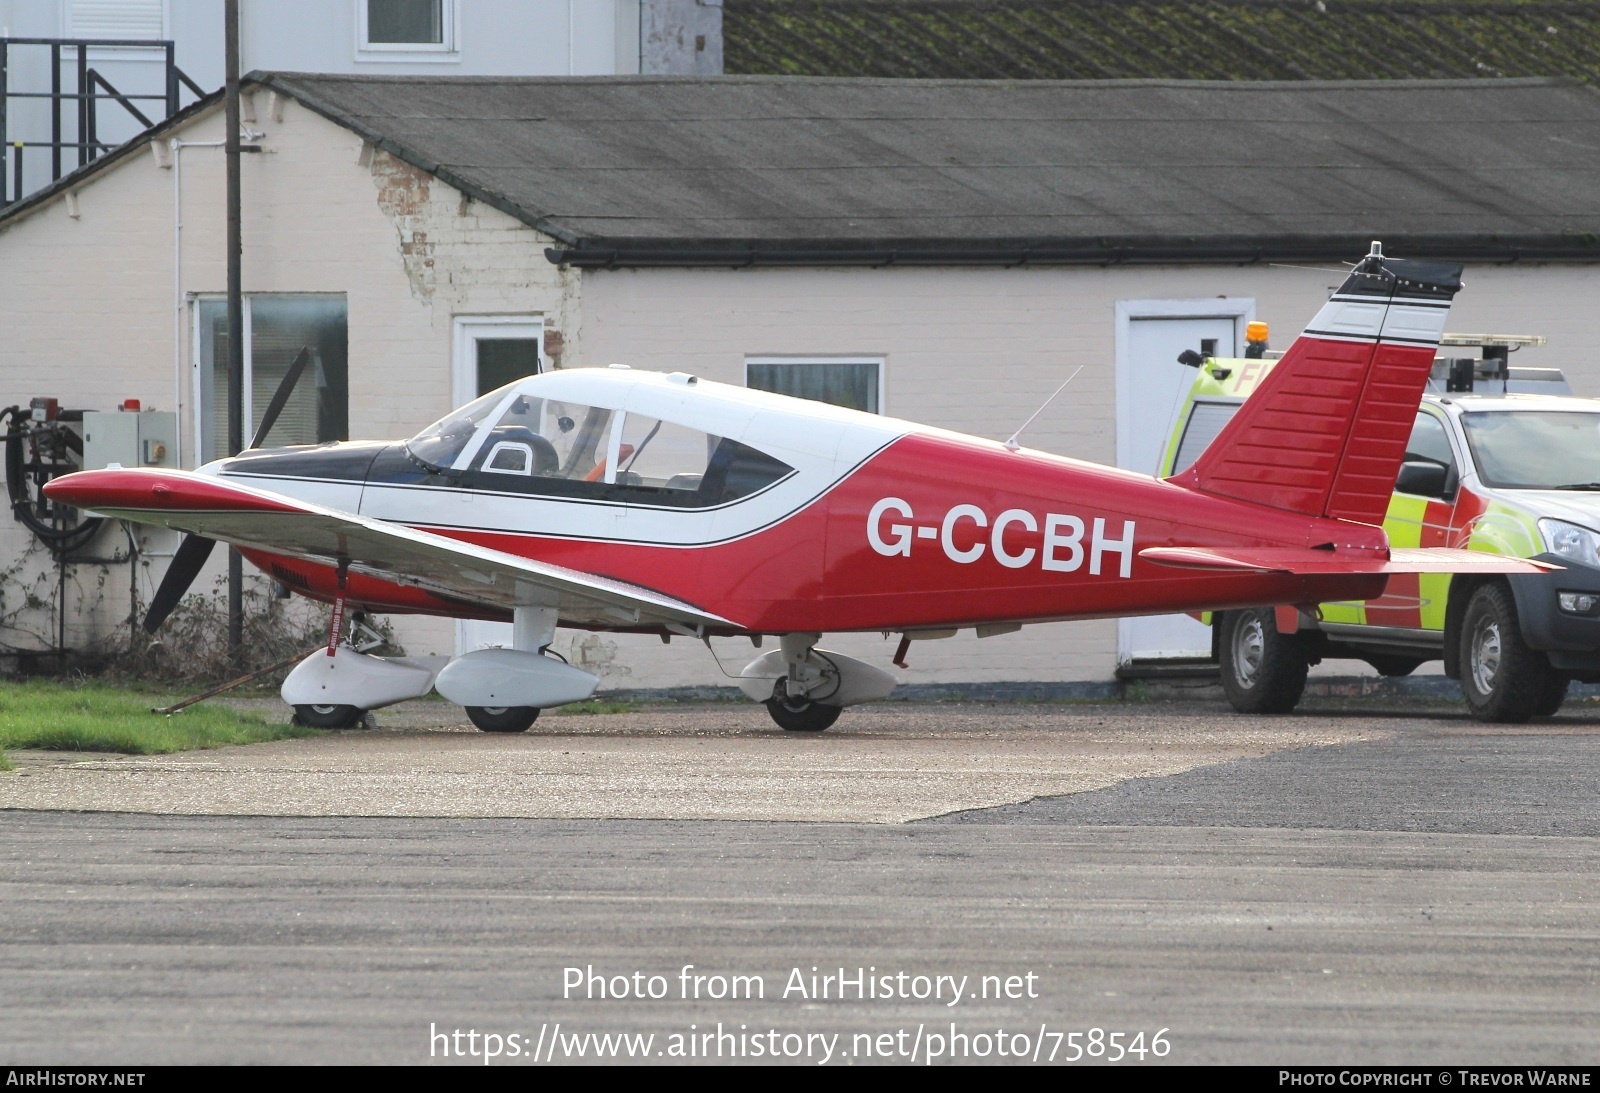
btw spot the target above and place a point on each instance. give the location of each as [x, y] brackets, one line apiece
[145, 438]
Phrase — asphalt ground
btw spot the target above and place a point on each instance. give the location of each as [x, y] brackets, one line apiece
[1394, 885]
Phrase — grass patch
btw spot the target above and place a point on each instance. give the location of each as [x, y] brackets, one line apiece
[599, 706]
[54, 716]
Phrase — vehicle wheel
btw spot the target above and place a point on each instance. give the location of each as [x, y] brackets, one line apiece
[800, 715]
[1503, 679]
[1395, 666]
[328, 716]
[503, 718]
[1555, 693]
[1263, 671]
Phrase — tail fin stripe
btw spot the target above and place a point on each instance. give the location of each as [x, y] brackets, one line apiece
[1325, 432]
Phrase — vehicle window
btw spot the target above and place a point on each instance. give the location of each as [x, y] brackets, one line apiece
[662, 463]
[546, 446]
[663, 455]
[581, 437]
[1429, 442]
[738, 470]
[1535, 449]
[1205, 422]
[439, 444]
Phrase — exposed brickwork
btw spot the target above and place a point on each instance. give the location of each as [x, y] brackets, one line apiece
[403, 195]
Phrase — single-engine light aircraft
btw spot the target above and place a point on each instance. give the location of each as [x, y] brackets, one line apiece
[621, 499]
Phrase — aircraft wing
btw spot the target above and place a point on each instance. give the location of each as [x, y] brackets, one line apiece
[262, 520]
[1304, 561]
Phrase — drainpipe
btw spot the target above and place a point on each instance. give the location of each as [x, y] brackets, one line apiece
[230, 20]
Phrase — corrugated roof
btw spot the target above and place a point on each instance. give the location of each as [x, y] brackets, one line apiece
[1196, 39]
[684, 171]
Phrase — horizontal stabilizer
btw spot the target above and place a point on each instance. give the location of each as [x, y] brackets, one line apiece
[1306, 562]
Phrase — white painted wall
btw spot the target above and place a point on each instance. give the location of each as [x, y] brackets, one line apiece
[88, 303]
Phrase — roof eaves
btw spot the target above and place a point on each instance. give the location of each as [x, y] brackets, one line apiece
[1103, 251]
[284, 82]
[76, 179]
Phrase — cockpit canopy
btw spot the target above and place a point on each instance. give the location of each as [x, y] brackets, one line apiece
[513, 440]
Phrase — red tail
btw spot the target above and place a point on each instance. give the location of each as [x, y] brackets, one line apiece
[1326, 431]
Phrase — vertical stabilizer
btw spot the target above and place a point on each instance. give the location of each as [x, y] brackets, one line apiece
[1326, 431]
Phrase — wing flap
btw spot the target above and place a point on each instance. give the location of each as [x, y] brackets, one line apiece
[1304, 561]
[260, 519]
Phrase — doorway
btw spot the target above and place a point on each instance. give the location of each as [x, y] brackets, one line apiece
[1151, 389]
[491, 351]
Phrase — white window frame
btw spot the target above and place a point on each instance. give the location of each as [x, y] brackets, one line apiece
[467, 329]
[880, 360]
[446, 51]
[116, 53]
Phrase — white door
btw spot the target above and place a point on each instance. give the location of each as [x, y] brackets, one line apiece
[1151, 389]
[491, 351]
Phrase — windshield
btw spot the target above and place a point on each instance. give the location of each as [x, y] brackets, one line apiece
[440, 443]
[1535, 449]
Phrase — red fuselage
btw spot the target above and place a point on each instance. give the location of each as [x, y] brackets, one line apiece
[935, 532]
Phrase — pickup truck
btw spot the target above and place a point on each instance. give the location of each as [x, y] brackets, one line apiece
[1491, 465]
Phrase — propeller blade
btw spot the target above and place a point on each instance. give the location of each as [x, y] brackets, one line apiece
[280, 397]
[186, 564]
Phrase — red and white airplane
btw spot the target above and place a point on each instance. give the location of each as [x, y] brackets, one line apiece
[621, 499]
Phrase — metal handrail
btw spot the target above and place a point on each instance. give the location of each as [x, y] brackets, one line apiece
[91, 89]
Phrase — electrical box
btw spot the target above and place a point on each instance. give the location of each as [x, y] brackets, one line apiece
[144, 438]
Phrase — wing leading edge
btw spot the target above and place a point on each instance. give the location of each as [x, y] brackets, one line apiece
[1306, 562]
[272, 522]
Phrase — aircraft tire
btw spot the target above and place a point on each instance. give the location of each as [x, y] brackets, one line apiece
[800, 716]
[1263, 671]
[329, 716]
[1504, 680]
[503, 718]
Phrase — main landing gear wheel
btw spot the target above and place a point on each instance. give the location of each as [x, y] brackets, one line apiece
[1503, 679]
[503, 718]
[799, 714]
[328, 716]
[1263, 671]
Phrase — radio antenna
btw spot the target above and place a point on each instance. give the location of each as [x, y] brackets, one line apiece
[1013, 444]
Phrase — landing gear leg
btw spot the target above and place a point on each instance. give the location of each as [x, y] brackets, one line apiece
[810, 676]
[328, 715]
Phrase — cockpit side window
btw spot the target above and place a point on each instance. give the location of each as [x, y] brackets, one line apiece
[565, 449]
[663, 455]
[544, 438]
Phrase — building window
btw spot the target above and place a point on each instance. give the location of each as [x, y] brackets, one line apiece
[277, 328]
[405, 26]
[134, 19]
[855, 383]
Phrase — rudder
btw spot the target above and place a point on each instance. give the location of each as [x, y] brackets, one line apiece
[1326, 431]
